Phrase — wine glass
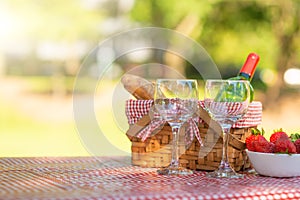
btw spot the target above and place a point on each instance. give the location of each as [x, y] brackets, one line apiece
[176, 101]
[226, 101]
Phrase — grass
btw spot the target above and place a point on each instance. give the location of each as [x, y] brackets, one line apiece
[22, 134]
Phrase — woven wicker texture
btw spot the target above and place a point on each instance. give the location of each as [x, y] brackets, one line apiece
[155, 151]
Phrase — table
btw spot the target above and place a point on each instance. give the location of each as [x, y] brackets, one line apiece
[115, 178]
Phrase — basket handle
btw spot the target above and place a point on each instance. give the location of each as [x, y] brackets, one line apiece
[232, 140]
[134, 129]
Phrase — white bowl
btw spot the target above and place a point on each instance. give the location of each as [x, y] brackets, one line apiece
[275, 165]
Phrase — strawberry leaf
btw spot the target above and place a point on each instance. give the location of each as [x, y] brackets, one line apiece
[256, 131]
[294, 137]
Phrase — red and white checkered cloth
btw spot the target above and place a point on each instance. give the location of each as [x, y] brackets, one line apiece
[140, 108]
[253, 116]
[136, 109]
[111, 178]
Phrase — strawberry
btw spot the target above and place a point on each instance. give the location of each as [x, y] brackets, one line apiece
[253, 137]
[257, 142]
[263, 145]
[283, 145]
[250, 142]
[278, 134]
[297, 145]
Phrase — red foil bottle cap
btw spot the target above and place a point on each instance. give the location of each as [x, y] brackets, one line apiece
[250, 64]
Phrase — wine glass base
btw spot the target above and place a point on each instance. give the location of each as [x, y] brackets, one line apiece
[224, 174]
[174, 171]
[250, 171]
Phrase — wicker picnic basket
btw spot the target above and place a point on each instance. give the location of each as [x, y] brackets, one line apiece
[155, 150]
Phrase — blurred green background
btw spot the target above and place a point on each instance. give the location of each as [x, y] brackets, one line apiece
[43, 44]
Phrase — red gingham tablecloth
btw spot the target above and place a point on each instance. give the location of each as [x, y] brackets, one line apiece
[115, 178]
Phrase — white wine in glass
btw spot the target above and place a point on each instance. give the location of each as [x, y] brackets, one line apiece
[226, 101]
[175, 101]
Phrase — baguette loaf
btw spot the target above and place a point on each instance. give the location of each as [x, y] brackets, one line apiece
[139, 87]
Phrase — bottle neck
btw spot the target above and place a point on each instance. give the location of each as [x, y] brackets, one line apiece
[245, 76]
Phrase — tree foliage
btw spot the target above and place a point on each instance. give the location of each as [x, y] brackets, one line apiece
[229, 30]
[55, 19]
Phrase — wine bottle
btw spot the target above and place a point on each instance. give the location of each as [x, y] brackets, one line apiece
[248, 69]
[246, 73]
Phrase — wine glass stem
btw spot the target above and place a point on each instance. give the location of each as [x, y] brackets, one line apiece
[175, 149]
[224, 162]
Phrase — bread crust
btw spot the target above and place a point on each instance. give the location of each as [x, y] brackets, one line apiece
[139, 87]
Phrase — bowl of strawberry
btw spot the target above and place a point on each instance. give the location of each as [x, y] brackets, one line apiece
[278, 157]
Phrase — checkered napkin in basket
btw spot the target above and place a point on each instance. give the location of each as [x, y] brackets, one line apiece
[139, 108]
[136, 109]
[253, 116]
